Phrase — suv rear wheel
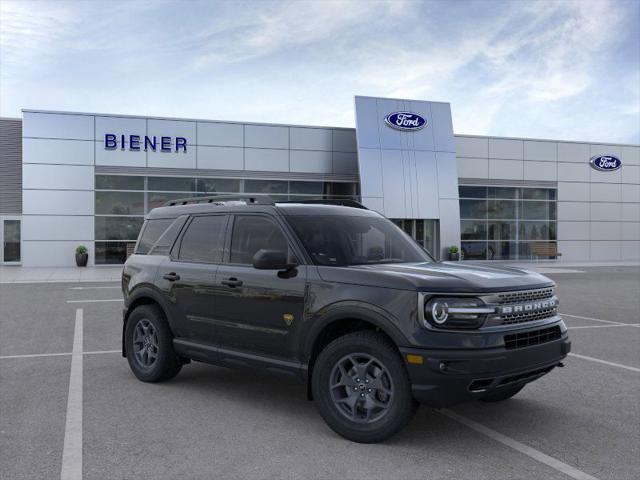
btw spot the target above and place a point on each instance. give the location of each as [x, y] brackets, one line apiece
[362, 388]
[149, 345]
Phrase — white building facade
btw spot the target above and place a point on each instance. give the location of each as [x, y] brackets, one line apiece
[72, 179]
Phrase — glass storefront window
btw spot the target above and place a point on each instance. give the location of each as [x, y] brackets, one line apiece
[172, 184]
[119, 203]
[306, 188]
[119, 182]
[425, 232]
[474, 250]
[473, 230]
[501, 209]
[537, 231]
[538, 210]
[117, 228]
[266, 186]
[473, 209]
[501, 250]
[501, 192]
[108, 253]
[218, 185]
[501, 230]
[340, 190]
[506, 222]
[538, 194]
[472, 192]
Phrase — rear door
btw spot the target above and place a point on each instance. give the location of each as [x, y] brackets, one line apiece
[188, 275]
[257, 310]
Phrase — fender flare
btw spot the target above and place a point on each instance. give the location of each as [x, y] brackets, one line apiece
[366, 312]
[138, 292]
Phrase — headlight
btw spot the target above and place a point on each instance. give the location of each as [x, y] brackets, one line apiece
[455, 312]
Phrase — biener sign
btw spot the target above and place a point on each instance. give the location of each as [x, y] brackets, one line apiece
[139, 142]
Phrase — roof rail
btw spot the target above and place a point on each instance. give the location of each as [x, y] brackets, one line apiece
[249, 199]
[343, 202]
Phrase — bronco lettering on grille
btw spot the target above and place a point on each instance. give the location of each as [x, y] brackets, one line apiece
[527, 307]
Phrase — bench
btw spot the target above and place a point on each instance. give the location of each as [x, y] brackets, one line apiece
[545, 249]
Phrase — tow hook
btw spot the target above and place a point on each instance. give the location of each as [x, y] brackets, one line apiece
[561, 365]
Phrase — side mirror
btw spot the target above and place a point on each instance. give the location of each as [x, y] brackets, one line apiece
[271, 260]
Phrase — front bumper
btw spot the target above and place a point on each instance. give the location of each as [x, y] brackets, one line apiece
[448, 377]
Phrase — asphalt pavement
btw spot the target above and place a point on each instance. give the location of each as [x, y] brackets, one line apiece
[581, 421]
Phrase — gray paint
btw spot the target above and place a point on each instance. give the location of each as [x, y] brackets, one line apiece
[10, 166]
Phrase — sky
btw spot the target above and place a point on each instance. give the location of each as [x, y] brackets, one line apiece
[541, 69]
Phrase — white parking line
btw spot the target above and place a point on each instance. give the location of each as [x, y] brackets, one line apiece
[594, 319]
[72, 450]
[96, 301]
[520, 447]
[93, 288]
[35, 355]
[605, 326]
[612, 364]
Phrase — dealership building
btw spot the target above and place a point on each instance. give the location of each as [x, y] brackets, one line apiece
[69, 179]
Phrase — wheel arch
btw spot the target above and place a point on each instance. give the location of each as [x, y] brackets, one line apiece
[343, 320]
[141, 296]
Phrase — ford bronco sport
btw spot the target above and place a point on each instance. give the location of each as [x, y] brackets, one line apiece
[337, 296]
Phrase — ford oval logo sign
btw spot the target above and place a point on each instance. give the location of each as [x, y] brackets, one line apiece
[405, 121]
[605, 163]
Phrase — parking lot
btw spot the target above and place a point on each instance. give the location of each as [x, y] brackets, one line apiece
[70, 405]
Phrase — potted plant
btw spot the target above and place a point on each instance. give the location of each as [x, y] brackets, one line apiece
[82, 256]
[454, 253]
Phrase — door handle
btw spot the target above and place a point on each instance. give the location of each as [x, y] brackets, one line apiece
[232, 282]
[172, 277]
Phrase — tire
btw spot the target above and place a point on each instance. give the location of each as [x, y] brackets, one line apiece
[148, 328]
[501, 394]
[369, 409]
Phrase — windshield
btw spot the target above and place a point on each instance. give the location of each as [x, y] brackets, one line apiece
[341, 240]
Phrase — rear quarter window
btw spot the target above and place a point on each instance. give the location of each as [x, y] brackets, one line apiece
[152, 231]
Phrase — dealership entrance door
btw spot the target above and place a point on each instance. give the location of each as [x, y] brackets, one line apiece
[425, 232]
[10, 234]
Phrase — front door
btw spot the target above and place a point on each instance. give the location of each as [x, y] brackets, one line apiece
[10, 233]
[257, 310]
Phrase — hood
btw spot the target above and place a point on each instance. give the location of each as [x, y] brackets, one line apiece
[437, 277]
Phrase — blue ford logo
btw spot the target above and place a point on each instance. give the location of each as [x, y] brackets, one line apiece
[605, 163]
[405, 121]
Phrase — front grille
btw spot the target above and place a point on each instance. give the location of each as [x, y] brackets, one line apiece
[524, 296]
[528, 317]
[535, 337]
[515, 298]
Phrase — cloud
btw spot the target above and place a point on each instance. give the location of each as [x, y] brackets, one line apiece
[508, 68]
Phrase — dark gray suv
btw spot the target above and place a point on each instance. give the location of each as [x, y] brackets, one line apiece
[338, 297]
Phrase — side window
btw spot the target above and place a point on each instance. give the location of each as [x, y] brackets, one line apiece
[252, 233]
[204, 239]
[151, 232]
[165, 242]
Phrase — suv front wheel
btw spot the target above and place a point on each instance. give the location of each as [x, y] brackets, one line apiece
[362, 388]
[149, 345]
